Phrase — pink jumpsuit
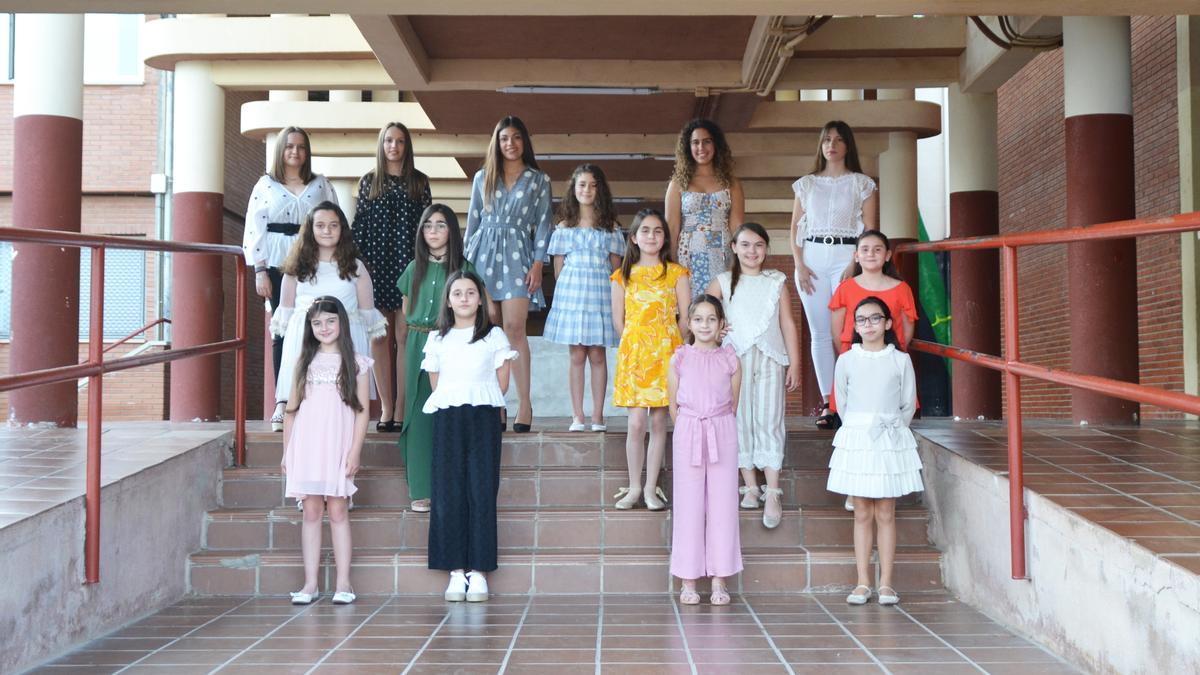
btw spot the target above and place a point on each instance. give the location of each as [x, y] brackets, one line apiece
[704, 511]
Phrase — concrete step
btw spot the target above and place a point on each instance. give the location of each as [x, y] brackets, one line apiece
[546, 448]
[588, 527]
[529, 487]
[384, 571]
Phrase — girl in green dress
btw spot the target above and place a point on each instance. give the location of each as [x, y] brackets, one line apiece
[438, 254]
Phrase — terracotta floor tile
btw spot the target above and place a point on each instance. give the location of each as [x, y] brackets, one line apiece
[1169, 545]
[1188, 562]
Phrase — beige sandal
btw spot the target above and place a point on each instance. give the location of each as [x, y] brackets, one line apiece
[689, 596]
[719, 595]
[751, 496]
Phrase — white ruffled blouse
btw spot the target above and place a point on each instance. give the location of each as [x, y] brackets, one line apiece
[466, 370]
[833, 205]
[877, 398]
[752, 309]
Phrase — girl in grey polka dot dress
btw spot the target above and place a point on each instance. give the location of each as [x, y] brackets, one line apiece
[508, 228]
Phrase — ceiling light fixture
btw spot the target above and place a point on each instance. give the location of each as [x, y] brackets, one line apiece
[618, 91]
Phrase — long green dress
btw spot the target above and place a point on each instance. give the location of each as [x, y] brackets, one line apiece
[416, 436]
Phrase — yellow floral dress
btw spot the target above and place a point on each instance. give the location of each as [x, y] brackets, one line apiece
[651, 336]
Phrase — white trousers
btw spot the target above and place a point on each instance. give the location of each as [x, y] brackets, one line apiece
[828, 262]
[761, 434]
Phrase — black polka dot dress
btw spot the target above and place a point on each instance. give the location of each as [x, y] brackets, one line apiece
[385, 230]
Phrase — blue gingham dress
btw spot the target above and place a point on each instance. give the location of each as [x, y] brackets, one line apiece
[504, 239]
[582, 309]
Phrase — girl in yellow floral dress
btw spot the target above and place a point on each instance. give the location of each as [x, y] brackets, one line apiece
[647, 292]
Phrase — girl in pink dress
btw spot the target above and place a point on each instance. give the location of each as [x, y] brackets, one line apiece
[323, 430]
[703, 384]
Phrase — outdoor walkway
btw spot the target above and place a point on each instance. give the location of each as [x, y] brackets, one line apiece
[41, 468]
[564, 635]
[1142, 483]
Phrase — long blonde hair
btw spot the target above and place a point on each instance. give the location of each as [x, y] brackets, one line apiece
[493, 161]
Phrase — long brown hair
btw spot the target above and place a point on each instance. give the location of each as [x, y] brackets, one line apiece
[483, 322]
[414, 181]
[685, 164]
[277, 170]
[454, 250]
[303, 258]
[606, 213]
[633, 254]
[493, 161]
[736, 271]
[847, 135]
[347, 373]
[705, 299]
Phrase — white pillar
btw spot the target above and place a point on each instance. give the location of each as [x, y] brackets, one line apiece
[898, 177]
[814, 95]
[1097, 66]
[787, 95]
[345, 96]
[971, 134]
[344, 187]
[385, 95]
[847, 95]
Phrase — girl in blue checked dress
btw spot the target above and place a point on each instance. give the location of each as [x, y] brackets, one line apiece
[586, 248]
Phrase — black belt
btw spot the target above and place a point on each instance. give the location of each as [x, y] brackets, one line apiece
[852, 241]
[289, 229]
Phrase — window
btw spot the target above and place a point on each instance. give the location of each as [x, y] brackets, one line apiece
[110, 49]
[124, 292]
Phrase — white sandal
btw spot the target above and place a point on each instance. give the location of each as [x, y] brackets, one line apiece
[772, 522]
[751, 496]
[626, 499]
[655, 501]
[857, 598]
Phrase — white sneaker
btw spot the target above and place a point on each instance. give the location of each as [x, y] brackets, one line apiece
[456, 590]
[478, 590]
[576, 425]
[849, 503]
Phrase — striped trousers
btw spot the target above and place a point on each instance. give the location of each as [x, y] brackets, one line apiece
[761, 435]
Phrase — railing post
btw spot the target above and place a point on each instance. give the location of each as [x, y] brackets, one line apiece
[91, 545]
[1012, 382]
[239, 367]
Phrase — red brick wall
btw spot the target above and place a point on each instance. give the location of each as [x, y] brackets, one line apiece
[1032, 196]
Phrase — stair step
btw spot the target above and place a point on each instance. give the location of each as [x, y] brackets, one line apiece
[815, 569]
[263, 487]
[544, 449]
[404, 530]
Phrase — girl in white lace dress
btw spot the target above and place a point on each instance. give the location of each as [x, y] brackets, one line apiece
[833, 205]
[763, 334]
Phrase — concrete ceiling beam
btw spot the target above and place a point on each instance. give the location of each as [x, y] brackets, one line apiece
[920, 117]
[892, 35]
[903, 72]
[589, 147]
[397, 47]
[260, 118]
[620, 7]
[984, 65]
[305, 74]
[323, 38]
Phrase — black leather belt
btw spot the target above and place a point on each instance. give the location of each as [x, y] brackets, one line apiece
[841, 241]
[289, 229]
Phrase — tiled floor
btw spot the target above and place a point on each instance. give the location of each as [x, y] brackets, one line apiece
[928, 633]
[42, 468]
[1140, 482]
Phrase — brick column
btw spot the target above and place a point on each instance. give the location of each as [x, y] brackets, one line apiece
[1102, 275]
[196, 295]
[974, 275]
[47, 195]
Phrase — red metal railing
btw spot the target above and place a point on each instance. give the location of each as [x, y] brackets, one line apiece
[139, 331]
[1014, 369]
[95, 367]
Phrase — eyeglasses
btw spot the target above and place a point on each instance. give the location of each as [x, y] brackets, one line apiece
[434, 226]
[874, 320]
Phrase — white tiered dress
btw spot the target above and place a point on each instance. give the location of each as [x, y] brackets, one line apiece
[875, 453]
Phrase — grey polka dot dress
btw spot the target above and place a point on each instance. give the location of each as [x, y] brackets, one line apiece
[504, 239]
[385, 230]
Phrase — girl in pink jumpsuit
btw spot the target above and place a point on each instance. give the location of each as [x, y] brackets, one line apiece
[703, 384]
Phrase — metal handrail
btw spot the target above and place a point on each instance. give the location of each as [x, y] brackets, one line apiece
[1014, 369]
[95, 367]
[143, 329]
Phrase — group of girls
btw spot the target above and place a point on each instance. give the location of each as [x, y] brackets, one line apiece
[612, 290]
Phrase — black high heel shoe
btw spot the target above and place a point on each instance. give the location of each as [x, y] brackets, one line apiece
[521, 427]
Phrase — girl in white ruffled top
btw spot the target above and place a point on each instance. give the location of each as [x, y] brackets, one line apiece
[323, 263]
[874, 453]
[763, 334]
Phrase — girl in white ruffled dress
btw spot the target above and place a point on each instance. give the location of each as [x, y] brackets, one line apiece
[323, 262]
[875, 456]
